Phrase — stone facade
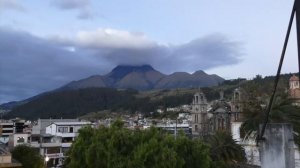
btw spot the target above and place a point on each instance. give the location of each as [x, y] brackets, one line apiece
[199, 114]
[294, 91]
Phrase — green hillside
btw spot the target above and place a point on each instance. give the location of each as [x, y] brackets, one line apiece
[76, 103]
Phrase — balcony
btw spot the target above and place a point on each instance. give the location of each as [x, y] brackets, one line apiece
[66, 145]
[51, 144]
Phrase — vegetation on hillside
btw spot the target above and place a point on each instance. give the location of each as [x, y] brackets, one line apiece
[76, 103]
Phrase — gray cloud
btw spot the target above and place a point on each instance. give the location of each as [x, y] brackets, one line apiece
[11, 5]
[70, 4]
[81, 5]
[30, 65]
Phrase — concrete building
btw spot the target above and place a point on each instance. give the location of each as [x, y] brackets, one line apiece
[18, 139]
[6, 129]
[53, 137]
[10, 127]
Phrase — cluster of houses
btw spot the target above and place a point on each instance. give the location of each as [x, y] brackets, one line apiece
[53, 137]
[50, 137]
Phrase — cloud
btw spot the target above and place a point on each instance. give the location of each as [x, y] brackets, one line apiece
[85, 14]
[108, 38]
[37, 65]
[71, 4]
[123, 47]
[11, 5]
[30, 65]
[81, 5]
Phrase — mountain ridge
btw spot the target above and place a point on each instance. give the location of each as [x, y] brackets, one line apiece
[145, 77]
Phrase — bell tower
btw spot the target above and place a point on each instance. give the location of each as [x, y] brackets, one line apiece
[199, 114]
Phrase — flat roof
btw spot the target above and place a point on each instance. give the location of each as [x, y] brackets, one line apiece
[72, 123]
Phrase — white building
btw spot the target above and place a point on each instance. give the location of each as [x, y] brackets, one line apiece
[66, 130]
[18, 139]
[54, 139]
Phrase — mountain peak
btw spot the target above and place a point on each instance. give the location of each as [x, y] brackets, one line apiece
[199, 72]
[144, 67]
[122, 70]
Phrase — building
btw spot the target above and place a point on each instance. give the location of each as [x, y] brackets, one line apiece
[237, 104]
[53, 137]
[294, 91]
[199, 115]
[10, 127]
[6, 160]
[18, 139]
[6, 129]
[221, 116]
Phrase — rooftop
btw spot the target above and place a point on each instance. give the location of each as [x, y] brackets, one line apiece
[72, 123]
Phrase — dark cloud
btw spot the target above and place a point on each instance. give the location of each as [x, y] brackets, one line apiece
[70, 4]
[30, 65]
[11, 5]
[81, 5]
[38, 65]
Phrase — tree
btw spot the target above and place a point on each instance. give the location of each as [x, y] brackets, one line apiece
[225, 152]
[283, 111]
[118, 147]
[28, 156]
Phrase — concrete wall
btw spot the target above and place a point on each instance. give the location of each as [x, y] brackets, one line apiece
[5, 158]
[277, 148]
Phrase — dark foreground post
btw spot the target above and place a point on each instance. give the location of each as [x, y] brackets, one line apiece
[277, 146]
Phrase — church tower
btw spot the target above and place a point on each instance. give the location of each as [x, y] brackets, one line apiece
[199, 114]
[236, 105]
[294, 82]
[294, 91]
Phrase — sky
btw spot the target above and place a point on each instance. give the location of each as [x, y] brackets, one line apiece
[46, 44]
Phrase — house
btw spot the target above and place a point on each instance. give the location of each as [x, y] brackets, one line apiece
[53, 140]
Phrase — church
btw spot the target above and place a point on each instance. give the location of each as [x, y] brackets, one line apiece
[207, 119]
[294, 91]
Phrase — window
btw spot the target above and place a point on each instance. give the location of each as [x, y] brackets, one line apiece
[71, 129]
[63, 129]
[20, 140]
[196, 127]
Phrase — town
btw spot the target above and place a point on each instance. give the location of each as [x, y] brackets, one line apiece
[53, 137]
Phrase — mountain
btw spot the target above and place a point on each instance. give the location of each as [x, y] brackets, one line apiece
[145, 77]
